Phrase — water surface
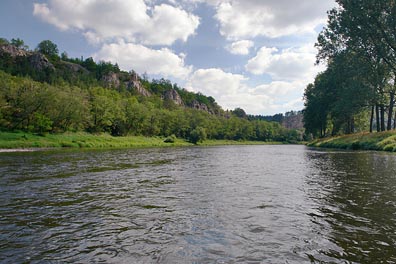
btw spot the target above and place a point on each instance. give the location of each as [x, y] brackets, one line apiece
[231, 204]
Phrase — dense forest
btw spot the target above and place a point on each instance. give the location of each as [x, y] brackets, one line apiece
[357, 90]
[44, 92]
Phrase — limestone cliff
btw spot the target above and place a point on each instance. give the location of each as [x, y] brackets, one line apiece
[174, 96]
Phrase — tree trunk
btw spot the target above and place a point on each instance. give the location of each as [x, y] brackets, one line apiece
[372, 119]
[382, 110]
[390, 111]
[394, 122]
[378, 118]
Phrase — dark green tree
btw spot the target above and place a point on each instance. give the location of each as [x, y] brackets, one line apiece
[47, 47]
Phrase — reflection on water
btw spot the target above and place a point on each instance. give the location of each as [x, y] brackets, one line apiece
[355, 204]
[234, 204]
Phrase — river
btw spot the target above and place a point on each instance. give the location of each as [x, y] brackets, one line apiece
[228, 204]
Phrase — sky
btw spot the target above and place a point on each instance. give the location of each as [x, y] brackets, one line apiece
[258, 55]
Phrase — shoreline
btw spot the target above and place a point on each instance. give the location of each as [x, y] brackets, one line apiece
[377, 141]
[11, 142]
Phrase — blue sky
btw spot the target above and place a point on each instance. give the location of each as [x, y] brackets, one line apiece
[253, 54]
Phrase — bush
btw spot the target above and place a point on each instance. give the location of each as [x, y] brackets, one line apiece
[170, 139]
[197, 135]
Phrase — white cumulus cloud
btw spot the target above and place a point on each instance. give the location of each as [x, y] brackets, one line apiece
[134, 20]
[241, 19]
[137, 57]
[240, 47]
[288, 64]
[232, 91]
[250, 18]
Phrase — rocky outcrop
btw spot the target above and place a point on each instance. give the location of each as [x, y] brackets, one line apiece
[135, 84]
[40, 62]
[111, 80]
[73, 67]
[294, 121]
[13, 51]
[37, 60]
[174, 96]
[200, 106]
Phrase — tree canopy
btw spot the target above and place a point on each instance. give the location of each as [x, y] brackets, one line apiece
[359, 46]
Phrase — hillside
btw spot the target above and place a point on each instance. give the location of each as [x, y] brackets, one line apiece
[42, 92]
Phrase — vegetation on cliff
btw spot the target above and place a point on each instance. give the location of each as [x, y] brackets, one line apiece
[44, 93]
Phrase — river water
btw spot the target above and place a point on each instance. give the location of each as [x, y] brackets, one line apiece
[229, 204]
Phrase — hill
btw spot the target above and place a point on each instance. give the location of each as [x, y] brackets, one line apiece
[42, 92]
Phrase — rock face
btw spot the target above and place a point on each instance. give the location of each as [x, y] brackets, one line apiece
[293, 121]
[13, 51]
[74, 67]
[200, 106]
[111, 79]
[137, 85]
[174, 96]
[37, 60]
[40, 62]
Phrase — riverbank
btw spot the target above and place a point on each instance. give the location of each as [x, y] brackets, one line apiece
[20, 141]
[383, 141]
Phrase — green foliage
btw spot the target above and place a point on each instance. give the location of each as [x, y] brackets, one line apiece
[198, 135]
[170, 139]
[359, 45]
[4, 41]
[19, 43]
[41, 123]
[47, 47]
[73, 98]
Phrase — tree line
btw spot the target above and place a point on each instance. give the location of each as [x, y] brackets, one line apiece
[357, 90]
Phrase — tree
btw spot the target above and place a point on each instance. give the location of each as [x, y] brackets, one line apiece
[197, 135]
[239, 112]
[47, 47]
[19, 43]
[368, 28]
[4, 41]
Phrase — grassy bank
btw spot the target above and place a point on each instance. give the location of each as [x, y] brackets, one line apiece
[20, 140]
[384, 141]
[81, 140]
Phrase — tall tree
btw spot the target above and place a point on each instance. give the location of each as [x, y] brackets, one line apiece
[48, 48]
[367, 27]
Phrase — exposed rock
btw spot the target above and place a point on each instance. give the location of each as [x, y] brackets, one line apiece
[174, 96]
[200, 106]
[137, 85]
[76, 68]
[111, 79]
[13, 51]
[40, 62]
[293, 121]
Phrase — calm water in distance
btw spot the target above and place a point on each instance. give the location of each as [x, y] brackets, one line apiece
[231, 204]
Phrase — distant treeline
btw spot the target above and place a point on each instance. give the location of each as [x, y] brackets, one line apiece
[43, 92]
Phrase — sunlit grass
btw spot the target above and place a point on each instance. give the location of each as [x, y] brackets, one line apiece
[365, 141]
[14, 140]
[81, 140]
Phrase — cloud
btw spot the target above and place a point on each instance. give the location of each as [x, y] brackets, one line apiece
[137, 57]
[241, 19]
[102, 20]
[231, 91]
[215, 82]
[288, 64]
[241, 47]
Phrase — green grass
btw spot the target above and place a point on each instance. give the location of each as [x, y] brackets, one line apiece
[384, 141]
[21, 140]
[9, 140]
